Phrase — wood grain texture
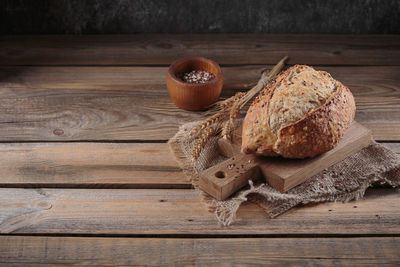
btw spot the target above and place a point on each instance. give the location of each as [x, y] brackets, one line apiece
[98, 165]
[132, 103]
[170, 211]
[393, 146]
[94, 165]
[223, 48]
[27, 250]
[227, 177]
[82, 101]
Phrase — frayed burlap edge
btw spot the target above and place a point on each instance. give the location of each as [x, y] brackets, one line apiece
[187, 166]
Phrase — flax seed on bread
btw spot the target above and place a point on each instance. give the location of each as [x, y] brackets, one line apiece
[301, 113]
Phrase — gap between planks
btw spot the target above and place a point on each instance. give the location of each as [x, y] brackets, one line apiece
[201, 236]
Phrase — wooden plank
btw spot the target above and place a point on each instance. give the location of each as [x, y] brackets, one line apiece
[393, 146]
[93, 165]
[122, 165]
[132, 103]
[384, 131]
[223, 48]
[171, 211]
[27, 250]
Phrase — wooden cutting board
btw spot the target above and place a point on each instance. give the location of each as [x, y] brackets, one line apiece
[226, 178]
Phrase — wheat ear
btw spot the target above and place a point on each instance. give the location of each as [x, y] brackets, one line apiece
[244, 97]
[227, 103]
[216, 118]
[229, 107]
[227, 129]
[225, 133]
[202, 140]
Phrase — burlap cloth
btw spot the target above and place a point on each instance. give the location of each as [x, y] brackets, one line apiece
[344, 181]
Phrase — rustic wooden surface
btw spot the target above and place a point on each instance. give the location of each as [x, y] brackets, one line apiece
[132, 103]
[179, 212]
[28, 250]
[88, 178]
[231, 49]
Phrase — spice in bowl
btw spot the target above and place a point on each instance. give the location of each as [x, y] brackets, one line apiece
[197, 76]
[194, 83]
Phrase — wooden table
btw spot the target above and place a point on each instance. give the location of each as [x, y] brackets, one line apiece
[87, 176]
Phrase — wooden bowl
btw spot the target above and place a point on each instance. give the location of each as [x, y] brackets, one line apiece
[194, 96]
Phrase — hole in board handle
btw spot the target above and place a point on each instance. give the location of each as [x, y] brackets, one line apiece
[220, 174]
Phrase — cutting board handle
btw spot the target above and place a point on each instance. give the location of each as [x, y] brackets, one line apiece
[224, 179]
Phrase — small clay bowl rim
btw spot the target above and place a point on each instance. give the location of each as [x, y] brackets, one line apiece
[176, 63]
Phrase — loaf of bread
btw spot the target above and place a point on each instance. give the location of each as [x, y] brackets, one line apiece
[301, 113]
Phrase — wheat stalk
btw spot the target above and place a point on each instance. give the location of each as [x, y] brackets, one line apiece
[216, 118]
[202, 140]
[228, 126]
[227, 103]
[229, 107]
[225, 133]
[244, 97]
[223, 106]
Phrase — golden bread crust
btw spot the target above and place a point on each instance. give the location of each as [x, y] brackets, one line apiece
[256, 133]
[320, 130]
[302, 90]
[307, 120]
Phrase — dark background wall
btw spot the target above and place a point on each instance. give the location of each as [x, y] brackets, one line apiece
[199, 16]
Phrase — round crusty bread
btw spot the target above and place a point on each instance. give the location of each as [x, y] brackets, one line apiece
[301, 113]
